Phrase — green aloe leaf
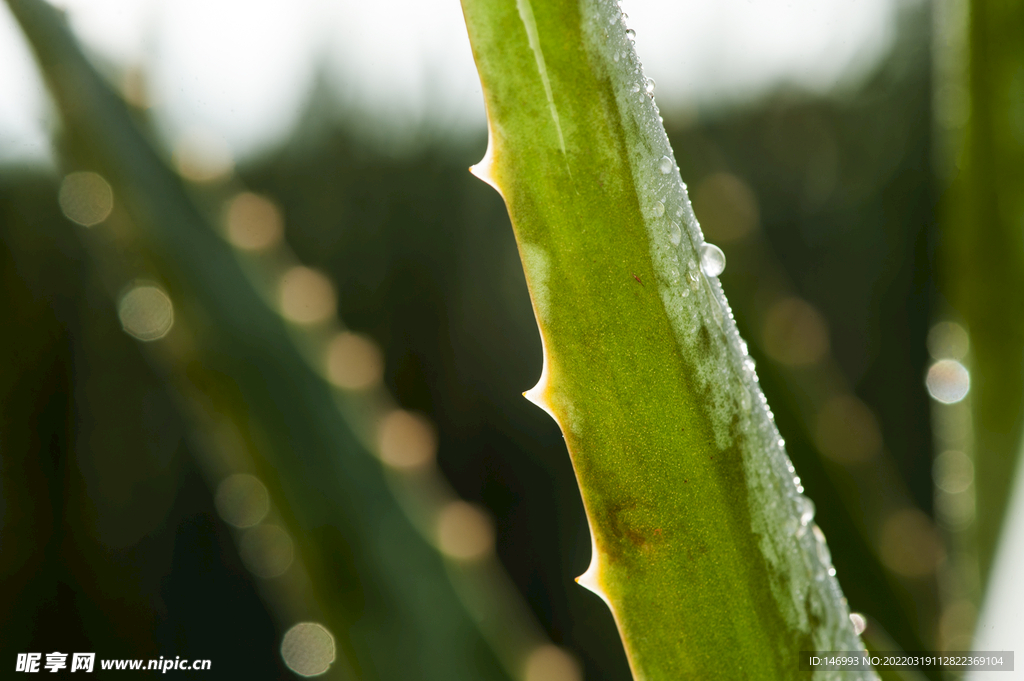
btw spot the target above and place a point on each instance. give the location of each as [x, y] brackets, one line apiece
[384, 591]
[984, 257]
[703, 545]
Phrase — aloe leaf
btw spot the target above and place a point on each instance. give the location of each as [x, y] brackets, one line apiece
[702, 542]
[384, 590]
[984, 257]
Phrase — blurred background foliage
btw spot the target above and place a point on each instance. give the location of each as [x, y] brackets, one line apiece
[827, 207]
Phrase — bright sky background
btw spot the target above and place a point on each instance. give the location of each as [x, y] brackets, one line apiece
[241, 68]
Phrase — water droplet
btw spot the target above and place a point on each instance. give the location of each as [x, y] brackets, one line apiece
[674, 273]
[824, 555]
[743, 347]
[675, 234]
[612, 20]
[659, 209]
[615, 57]
[630, 33]
[806, 508]
[692, 276]
[665, 166]
[859, 622]
[782, 443]
[636, 88]
[650, 86]
[712, 260]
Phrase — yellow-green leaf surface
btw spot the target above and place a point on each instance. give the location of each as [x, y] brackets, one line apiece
[703, 545]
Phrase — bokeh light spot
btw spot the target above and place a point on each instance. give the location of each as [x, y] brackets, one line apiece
[266, 550]
[948, 381]
[464, 532]
[948, 340]
[953, 471]
[726, 207]
[308, 649]
[146, 312]
[202, 156]
[85, 198]
[956, 511]
[551, 663]
[306, 296]
[846, 430]
[957, 624]
[795, 334]
[354, 362]
[242, 500]
[909, 544]
[406, 440]
[254, 222]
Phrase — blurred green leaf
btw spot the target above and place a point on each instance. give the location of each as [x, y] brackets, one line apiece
[390, 599]
[983, 254]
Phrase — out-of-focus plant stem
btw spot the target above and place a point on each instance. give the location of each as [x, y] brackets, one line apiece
[983, 257]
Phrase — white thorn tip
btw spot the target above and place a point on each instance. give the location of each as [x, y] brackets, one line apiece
[484, 170]
[538, 393]
[589, 581]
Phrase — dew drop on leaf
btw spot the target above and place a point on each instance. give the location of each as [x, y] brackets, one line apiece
[806, 508]
[712, 260]
[630, 33]
[649, 86]
[659, 210]
[675, 234]
[692, 276]
[821, 548]
[665, 166]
